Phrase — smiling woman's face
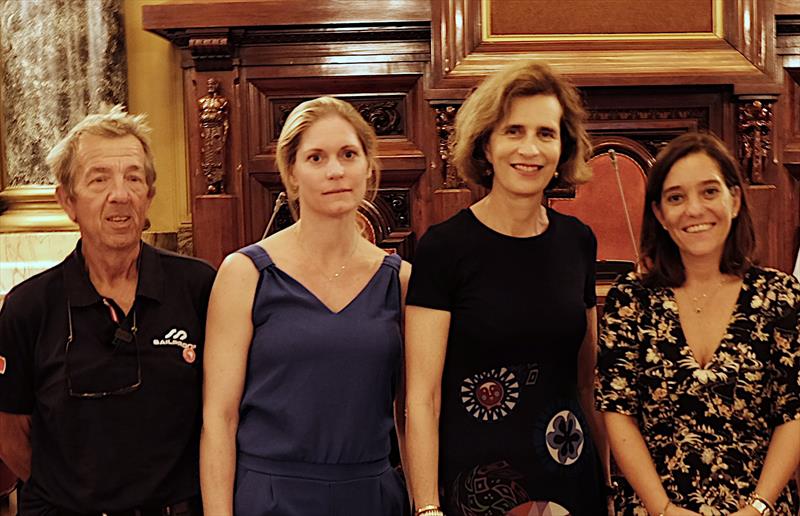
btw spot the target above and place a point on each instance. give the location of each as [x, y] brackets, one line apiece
[697, 208]
[524, 148]
[331, 168]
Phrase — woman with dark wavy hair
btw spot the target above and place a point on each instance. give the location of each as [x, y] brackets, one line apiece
[699, 365]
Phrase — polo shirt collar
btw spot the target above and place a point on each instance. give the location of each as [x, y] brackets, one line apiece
[151, 274]
[81, 292]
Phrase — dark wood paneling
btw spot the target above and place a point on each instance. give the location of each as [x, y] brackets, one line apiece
[640, 86]
[742, 56]
[600, 17]
[279, 12]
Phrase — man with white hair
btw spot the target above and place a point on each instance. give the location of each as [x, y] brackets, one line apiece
[100, 385]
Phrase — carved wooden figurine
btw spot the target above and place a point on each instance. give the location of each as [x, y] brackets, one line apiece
[213, 136]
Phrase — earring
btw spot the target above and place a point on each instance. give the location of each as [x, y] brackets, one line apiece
[488, 172]
[555, 174]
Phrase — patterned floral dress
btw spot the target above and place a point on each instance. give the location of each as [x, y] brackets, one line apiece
[707, 429]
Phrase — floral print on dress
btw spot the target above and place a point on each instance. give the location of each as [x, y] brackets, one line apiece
[565, 438]
[707, 428]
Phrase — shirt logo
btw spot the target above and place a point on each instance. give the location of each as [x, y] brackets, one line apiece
[2, 364]
[176, 337]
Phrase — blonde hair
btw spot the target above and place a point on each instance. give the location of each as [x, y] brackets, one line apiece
[491, 102]
[300, 119]
[113, 122]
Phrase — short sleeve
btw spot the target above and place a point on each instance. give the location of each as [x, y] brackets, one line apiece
[618, 357]
[16, 359]
[432, 284]
[590, 288]
[785, 360]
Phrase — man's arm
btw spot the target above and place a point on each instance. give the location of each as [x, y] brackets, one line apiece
[15, 443]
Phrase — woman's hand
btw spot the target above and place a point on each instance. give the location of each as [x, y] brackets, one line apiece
[746, 511]
[675, 510]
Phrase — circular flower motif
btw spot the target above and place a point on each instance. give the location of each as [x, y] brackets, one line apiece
[564, 438]
[490, 395]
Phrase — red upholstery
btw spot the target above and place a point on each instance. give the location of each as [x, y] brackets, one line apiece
[599, 204]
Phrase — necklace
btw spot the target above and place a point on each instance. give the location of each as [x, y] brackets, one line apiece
[700, 301]
[339, 270]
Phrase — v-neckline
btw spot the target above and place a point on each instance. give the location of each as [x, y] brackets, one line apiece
[347, 305]
[722, 341]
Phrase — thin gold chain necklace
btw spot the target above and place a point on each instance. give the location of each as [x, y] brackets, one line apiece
[700, 301]
[339, 270]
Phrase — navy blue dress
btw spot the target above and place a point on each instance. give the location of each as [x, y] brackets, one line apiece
[316, 412]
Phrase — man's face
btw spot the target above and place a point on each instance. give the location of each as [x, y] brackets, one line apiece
[110, 194]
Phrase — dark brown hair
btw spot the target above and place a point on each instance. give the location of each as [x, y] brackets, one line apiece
[661, 259]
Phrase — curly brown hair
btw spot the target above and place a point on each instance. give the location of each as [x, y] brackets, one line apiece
[490, 103]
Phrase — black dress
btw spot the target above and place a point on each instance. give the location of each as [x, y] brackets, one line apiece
[513, 438]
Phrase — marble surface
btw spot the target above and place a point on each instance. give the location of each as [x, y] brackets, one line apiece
[62, 59]
[23, 255]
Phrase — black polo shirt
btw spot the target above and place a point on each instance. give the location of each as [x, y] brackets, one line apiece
[138, 446]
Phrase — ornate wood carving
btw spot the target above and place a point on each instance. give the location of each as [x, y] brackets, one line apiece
[700, 114]
[213, 114]
[386, 114]
[445, 124]
[754, 136]
[211, 52]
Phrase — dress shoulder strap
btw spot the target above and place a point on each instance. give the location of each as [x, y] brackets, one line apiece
[393, 260]
[258, 254]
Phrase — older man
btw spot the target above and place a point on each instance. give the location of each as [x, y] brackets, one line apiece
[100, 382]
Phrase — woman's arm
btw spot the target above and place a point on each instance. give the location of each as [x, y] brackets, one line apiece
[426, 344]
[633, 458]
[780, 464]
[587, 360]
[400, 389]
[229, 330]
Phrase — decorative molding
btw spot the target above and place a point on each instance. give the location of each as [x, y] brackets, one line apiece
[700, 114]
[213, 121]
[754, 135]
[211, 52]
[738, 53]
[32, 208]
[445, 125]
[386, 114]
[251, 36]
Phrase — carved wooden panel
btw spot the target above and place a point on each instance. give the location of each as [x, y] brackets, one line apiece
[737, 50]
[385, 113]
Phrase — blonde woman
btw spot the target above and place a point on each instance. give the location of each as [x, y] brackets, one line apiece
[304, 344]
